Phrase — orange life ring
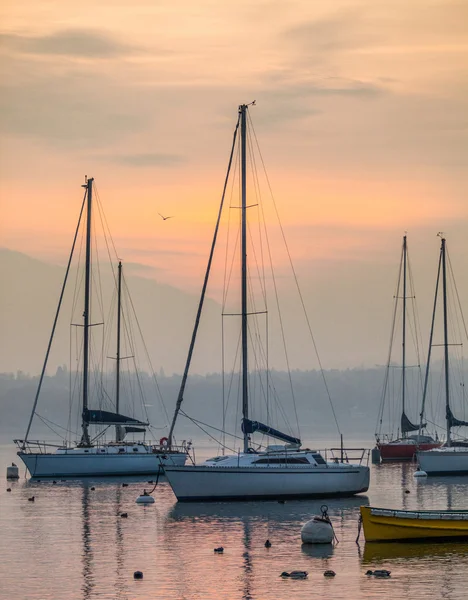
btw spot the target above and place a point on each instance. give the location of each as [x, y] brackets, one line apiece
[163, 441]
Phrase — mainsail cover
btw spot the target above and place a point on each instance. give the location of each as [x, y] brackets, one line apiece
[104, 417]
[407, 426]
[453, 421]
[249, 426]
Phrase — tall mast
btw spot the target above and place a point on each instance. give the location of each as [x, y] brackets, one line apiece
[245, 365]
[403, 376]
[85, 437]
[446, 344]
[118, 428]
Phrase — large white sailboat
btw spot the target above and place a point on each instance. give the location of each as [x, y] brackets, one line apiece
[279, 471]
[452, 457]
[91, 457]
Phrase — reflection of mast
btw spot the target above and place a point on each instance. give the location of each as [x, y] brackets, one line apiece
[87, 555]
[247, 563]
[119, 548]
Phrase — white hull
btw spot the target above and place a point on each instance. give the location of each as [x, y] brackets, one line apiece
[444, 461]
[211, 483]
[75, 464]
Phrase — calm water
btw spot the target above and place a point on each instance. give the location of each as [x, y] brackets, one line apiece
[71, 543]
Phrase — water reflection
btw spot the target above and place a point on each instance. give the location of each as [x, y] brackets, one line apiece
[388, 551]
[318, 550]
[87, 554]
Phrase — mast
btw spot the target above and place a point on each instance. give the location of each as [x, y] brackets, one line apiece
[245, 365]
[403, 375]
[118, 428]
[446, 344]
[85, 437]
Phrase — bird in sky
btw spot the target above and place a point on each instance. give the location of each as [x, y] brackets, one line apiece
[165, 218]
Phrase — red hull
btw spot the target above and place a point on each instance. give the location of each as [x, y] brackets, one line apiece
[402, 452]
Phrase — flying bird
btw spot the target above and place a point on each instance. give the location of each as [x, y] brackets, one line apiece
[165, 218]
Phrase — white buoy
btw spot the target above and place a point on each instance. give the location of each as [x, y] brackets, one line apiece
[145, 498]
[12, 472]
[420, 474]
[317, 531]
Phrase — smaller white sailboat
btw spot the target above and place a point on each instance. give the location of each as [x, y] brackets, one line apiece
[279, 471]
[90, 457]
[452, 457]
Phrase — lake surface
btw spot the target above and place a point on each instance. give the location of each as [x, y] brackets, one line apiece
[71, 543]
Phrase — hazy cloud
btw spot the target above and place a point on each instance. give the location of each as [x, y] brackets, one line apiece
[77, 43]
[150, 159]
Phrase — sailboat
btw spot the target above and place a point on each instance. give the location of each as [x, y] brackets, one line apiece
[87, 457]
[452, 457]
[282, 470]
[404, 447]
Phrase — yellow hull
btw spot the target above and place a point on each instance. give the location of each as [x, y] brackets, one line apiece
[381, 524]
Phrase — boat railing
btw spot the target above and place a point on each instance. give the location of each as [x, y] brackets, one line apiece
[37, 446]
[44, 447]
[348, 455]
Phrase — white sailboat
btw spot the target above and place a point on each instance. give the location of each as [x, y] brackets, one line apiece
[280, 471]
[89, 457]
[452, 457]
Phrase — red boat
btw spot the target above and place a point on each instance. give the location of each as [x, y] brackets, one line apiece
[405, 449]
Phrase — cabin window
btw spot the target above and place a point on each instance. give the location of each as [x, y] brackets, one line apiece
[102, 450]
[135, 449]
[121, 450]
[86, 450]
[319, 459]
[299, 460]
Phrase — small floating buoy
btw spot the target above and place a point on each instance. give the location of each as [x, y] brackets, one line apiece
[329, 573]
[138, 575]
[268, 544]
[145, 498]
[12, 472]
[219, 550]
[420, 473]
[317, 531]
[150, 481]
[31, 499]
[124, 515]
[407, 492]
[8, 489]
[124, 484]
[375, 456]
[295, 574]
[92, 489]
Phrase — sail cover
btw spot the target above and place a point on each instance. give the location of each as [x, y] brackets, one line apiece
[453, 421]
[249, 426]
[104, 417]
[407, 426]
[135, 430]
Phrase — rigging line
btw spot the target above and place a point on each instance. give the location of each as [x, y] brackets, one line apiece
[296, 281]
[225, 289]
[128, 296]
[105, 221]
[44, 366]
[44, 419]
[456, 293]
[200, 423]
[390, 347]
[205, 284]
[49, 427]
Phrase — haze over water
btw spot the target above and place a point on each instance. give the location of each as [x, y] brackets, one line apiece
[72, 543]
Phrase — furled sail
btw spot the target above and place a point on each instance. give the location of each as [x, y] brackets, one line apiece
[453, 421]
[104, 417]
[135, 430]
[407, 426]
[249, 426]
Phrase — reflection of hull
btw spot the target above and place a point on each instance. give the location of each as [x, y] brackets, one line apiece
[446, 461]
[76, 464]
[399, 451]
[385, 551]
[400, 525]
[211, 483]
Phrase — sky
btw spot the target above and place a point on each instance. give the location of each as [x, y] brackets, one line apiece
[360, 113]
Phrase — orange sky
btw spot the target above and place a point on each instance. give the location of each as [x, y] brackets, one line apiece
[361, 116]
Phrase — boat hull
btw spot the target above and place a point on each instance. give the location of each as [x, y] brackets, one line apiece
[444, 462]
[399, 452]
[96, 465]
[208, 483]
[398, 525]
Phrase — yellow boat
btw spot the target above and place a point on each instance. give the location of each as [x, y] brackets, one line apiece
[386, 525]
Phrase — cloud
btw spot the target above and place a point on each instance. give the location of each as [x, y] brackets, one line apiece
[75, 43]
[151, 159]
